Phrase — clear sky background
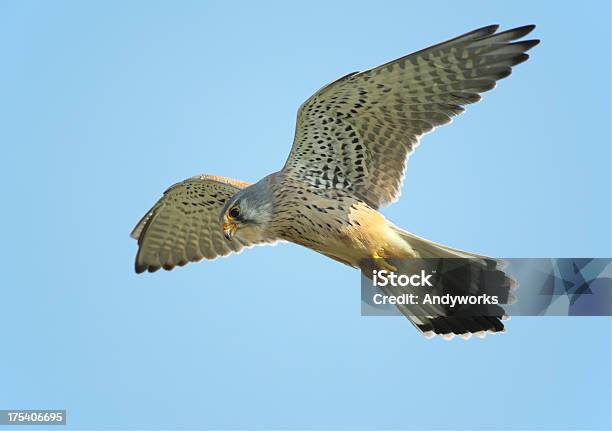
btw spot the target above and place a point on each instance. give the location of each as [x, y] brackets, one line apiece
[105, 104]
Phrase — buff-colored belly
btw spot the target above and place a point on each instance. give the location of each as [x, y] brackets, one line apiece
[363, 234]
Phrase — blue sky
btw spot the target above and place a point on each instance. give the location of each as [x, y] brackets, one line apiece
[105, 104]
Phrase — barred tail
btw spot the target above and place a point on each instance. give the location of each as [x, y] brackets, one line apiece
[471, 274]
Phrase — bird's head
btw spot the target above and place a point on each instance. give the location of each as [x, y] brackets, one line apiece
[247, 213]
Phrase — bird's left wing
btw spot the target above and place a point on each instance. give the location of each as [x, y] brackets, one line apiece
[183, 226]
[355, 133]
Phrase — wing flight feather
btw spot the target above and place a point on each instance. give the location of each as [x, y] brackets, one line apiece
[183, 226]
[356, 133]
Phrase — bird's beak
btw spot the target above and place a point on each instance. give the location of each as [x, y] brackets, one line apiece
[229, 229]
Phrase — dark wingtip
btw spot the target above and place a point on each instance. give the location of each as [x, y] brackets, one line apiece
[527, 44]
[529, 27]
[518, 32]
[524, 29]
[503, 73]
[534, 42]
[521, 58]
[139, 268]
[481, 32]
[486, 30]
[512, 34]
[492, 28]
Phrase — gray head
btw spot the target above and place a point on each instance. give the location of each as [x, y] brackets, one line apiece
[247, 214]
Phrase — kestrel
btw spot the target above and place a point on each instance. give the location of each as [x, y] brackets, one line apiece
[348, 159]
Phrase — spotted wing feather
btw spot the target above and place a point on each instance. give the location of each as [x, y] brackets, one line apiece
[356, 133]
[183, 226]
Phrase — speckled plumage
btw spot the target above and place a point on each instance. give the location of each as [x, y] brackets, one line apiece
[348, 159]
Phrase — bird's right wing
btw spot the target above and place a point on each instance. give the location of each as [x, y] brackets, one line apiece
[183, 226]
[355, 133]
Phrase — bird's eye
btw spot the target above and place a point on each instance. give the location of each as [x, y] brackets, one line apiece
[234, 212]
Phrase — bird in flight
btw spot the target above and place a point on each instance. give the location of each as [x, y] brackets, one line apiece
[349, 153]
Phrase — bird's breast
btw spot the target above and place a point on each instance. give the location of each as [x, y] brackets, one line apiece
[345, 229]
